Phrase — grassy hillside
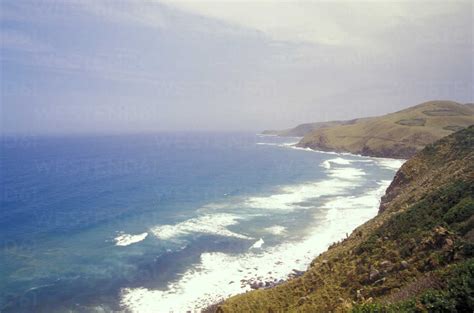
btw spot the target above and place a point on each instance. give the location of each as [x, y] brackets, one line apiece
[398, 135]
[303, 129]
[416, 255]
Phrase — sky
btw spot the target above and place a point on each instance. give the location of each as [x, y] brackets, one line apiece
[96, 66]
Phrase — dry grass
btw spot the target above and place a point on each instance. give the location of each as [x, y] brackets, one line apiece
[399, 135]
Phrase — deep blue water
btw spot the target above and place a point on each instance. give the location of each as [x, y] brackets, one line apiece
[65, 200]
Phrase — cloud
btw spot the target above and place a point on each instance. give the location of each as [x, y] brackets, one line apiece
[227, 65]
[321, 22]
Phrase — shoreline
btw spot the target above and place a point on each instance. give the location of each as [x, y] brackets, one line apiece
[289, 259]
[295, 273]
[297, 146]
[317, 232]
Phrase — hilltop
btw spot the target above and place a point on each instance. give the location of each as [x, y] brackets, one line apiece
[303, 129]
[395, 135]
[416, 255]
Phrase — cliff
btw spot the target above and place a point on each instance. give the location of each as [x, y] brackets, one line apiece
[416, 255]
[396, 135]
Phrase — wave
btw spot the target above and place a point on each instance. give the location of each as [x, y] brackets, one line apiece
[347, 173]
[317, 151]
[275, 230]
[340, 161]
[388, 163]
[290, 197]
[221, 275]
[391, 164]
[213, 224]
[128, 239]
[285, 144]
[286, 199]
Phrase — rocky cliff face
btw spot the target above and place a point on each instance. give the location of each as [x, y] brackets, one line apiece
[416, 255]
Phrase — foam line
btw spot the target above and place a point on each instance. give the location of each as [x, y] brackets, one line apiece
[221, 275]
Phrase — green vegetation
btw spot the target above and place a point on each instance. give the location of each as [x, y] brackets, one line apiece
[412, 122]
[416, 255]
[456, 295]
[453, 128]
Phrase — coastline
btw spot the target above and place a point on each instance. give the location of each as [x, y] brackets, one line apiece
[295, 273]
[378, 265]
[267, 268]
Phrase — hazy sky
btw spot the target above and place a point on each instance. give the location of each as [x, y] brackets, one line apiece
[120, 66]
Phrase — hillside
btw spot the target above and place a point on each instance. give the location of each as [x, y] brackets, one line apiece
[303, 129]
[397, 135]
[416, 255]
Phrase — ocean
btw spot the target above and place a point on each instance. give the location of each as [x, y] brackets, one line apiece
[169, 222]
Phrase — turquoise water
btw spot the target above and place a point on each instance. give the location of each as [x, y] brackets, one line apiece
[169, 221]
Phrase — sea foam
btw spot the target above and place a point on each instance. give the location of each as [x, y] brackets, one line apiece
[258, 244]
[220, 275]
[275, 230]
[214, 224]
[128, 239]
[391, 164]
[290, 197]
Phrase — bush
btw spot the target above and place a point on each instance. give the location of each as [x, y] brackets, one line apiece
[460, 212]
[457, 296]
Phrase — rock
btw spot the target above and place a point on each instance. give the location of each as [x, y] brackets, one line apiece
[374, 274]
[448, 244]
[386, 265]
[231, 282]
[380, 281]
[297, 272]
[404, 264]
